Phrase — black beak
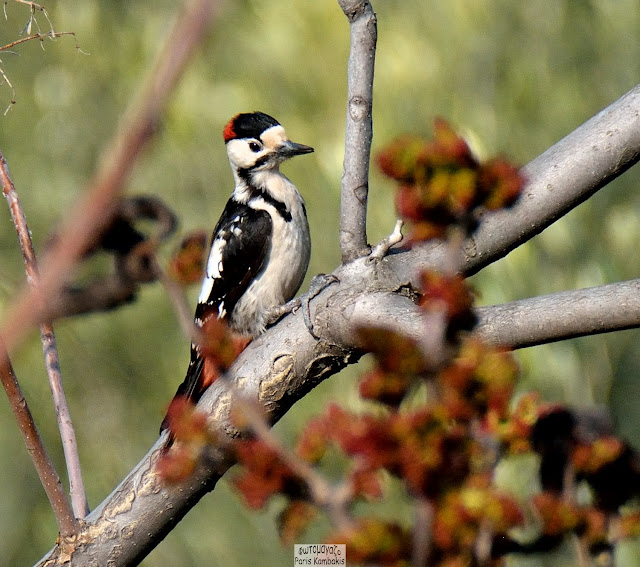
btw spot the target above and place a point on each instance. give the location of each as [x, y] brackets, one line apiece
[290, 149]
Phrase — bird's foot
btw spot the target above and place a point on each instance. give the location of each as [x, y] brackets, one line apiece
[273, 315]
[318, 284]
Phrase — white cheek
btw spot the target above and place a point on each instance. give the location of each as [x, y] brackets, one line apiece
[240, 155]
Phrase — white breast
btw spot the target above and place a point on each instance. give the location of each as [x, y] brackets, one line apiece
[286, 265]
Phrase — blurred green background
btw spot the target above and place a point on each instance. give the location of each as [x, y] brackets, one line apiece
[514, 77]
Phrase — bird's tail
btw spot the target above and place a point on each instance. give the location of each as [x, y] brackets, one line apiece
[191, 388]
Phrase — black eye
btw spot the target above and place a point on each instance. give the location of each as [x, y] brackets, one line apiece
[254, 146]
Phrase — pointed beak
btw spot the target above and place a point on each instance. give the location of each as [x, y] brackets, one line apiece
[289, 149]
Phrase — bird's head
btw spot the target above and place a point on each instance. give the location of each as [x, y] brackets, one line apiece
[257, 142]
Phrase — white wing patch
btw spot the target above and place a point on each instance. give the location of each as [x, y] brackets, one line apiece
[214, 269]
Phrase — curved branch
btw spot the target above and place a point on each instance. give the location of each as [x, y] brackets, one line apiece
[359, 128]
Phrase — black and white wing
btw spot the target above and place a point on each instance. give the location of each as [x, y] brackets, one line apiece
[239, 248]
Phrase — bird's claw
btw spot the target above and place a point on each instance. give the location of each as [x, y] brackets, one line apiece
[318, 284]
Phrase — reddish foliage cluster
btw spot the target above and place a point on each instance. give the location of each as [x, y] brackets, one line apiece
[188, 426]
[462, 513]
[219, 348]
[376, 542]
[452, 294]
[265, 474]
[479, 382]
[399, 364]
[186, 265]
[443, 184]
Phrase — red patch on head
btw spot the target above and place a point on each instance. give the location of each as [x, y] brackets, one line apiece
[229, 133]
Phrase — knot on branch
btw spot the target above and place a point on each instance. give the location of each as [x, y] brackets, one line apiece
[133, 254]
[354, 8]
[359, 108]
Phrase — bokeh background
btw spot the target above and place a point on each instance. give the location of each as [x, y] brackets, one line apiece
[514, 77]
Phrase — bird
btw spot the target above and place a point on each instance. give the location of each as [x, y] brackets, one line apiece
[261, 245]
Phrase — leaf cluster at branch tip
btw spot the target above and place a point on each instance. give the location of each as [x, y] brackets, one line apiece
[441, 182]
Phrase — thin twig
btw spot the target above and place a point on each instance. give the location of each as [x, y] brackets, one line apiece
[97, 205]
[422, 532]
[13, 91]
[67, 523]
[40, 36]
[181, 308]
[52, 362]
[381, 249]
[33, 5]
[359, 128]
[334, 499]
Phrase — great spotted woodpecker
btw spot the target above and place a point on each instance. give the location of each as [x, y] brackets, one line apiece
[260, 247]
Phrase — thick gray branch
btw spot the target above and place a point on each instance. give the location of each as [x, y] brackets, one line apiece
[563, 315]
[359, 128]
[561, 178]
[287, 362]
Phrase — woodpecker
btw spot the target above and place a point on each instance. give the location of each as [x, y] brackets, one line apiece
[260, 246]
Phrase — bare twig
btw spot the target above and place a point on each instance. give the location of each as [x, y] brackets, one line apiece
[13, 91]
[52, 363]
[182, 310]
[359, 128]
[33, 5]
[422, 530]
[333, 499]
[67, 523]
[63, 415]
[97, 205]
[41, 37]
[381, 249]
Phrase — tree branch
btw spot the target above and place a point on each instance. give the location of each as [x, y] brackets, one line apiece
[564, 176]
[563, 315]
[49, 347]
[558, 180]
[359, 128]
[68, 526]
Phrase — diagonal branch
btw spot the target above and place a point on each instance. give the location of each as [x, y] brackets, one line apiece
[359, 128]
[52, 362]
[564, 176]
[558, 180]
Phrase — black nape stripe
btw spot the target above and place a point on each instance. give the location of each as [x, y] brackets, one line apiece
[254, 191]
[268, 198]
